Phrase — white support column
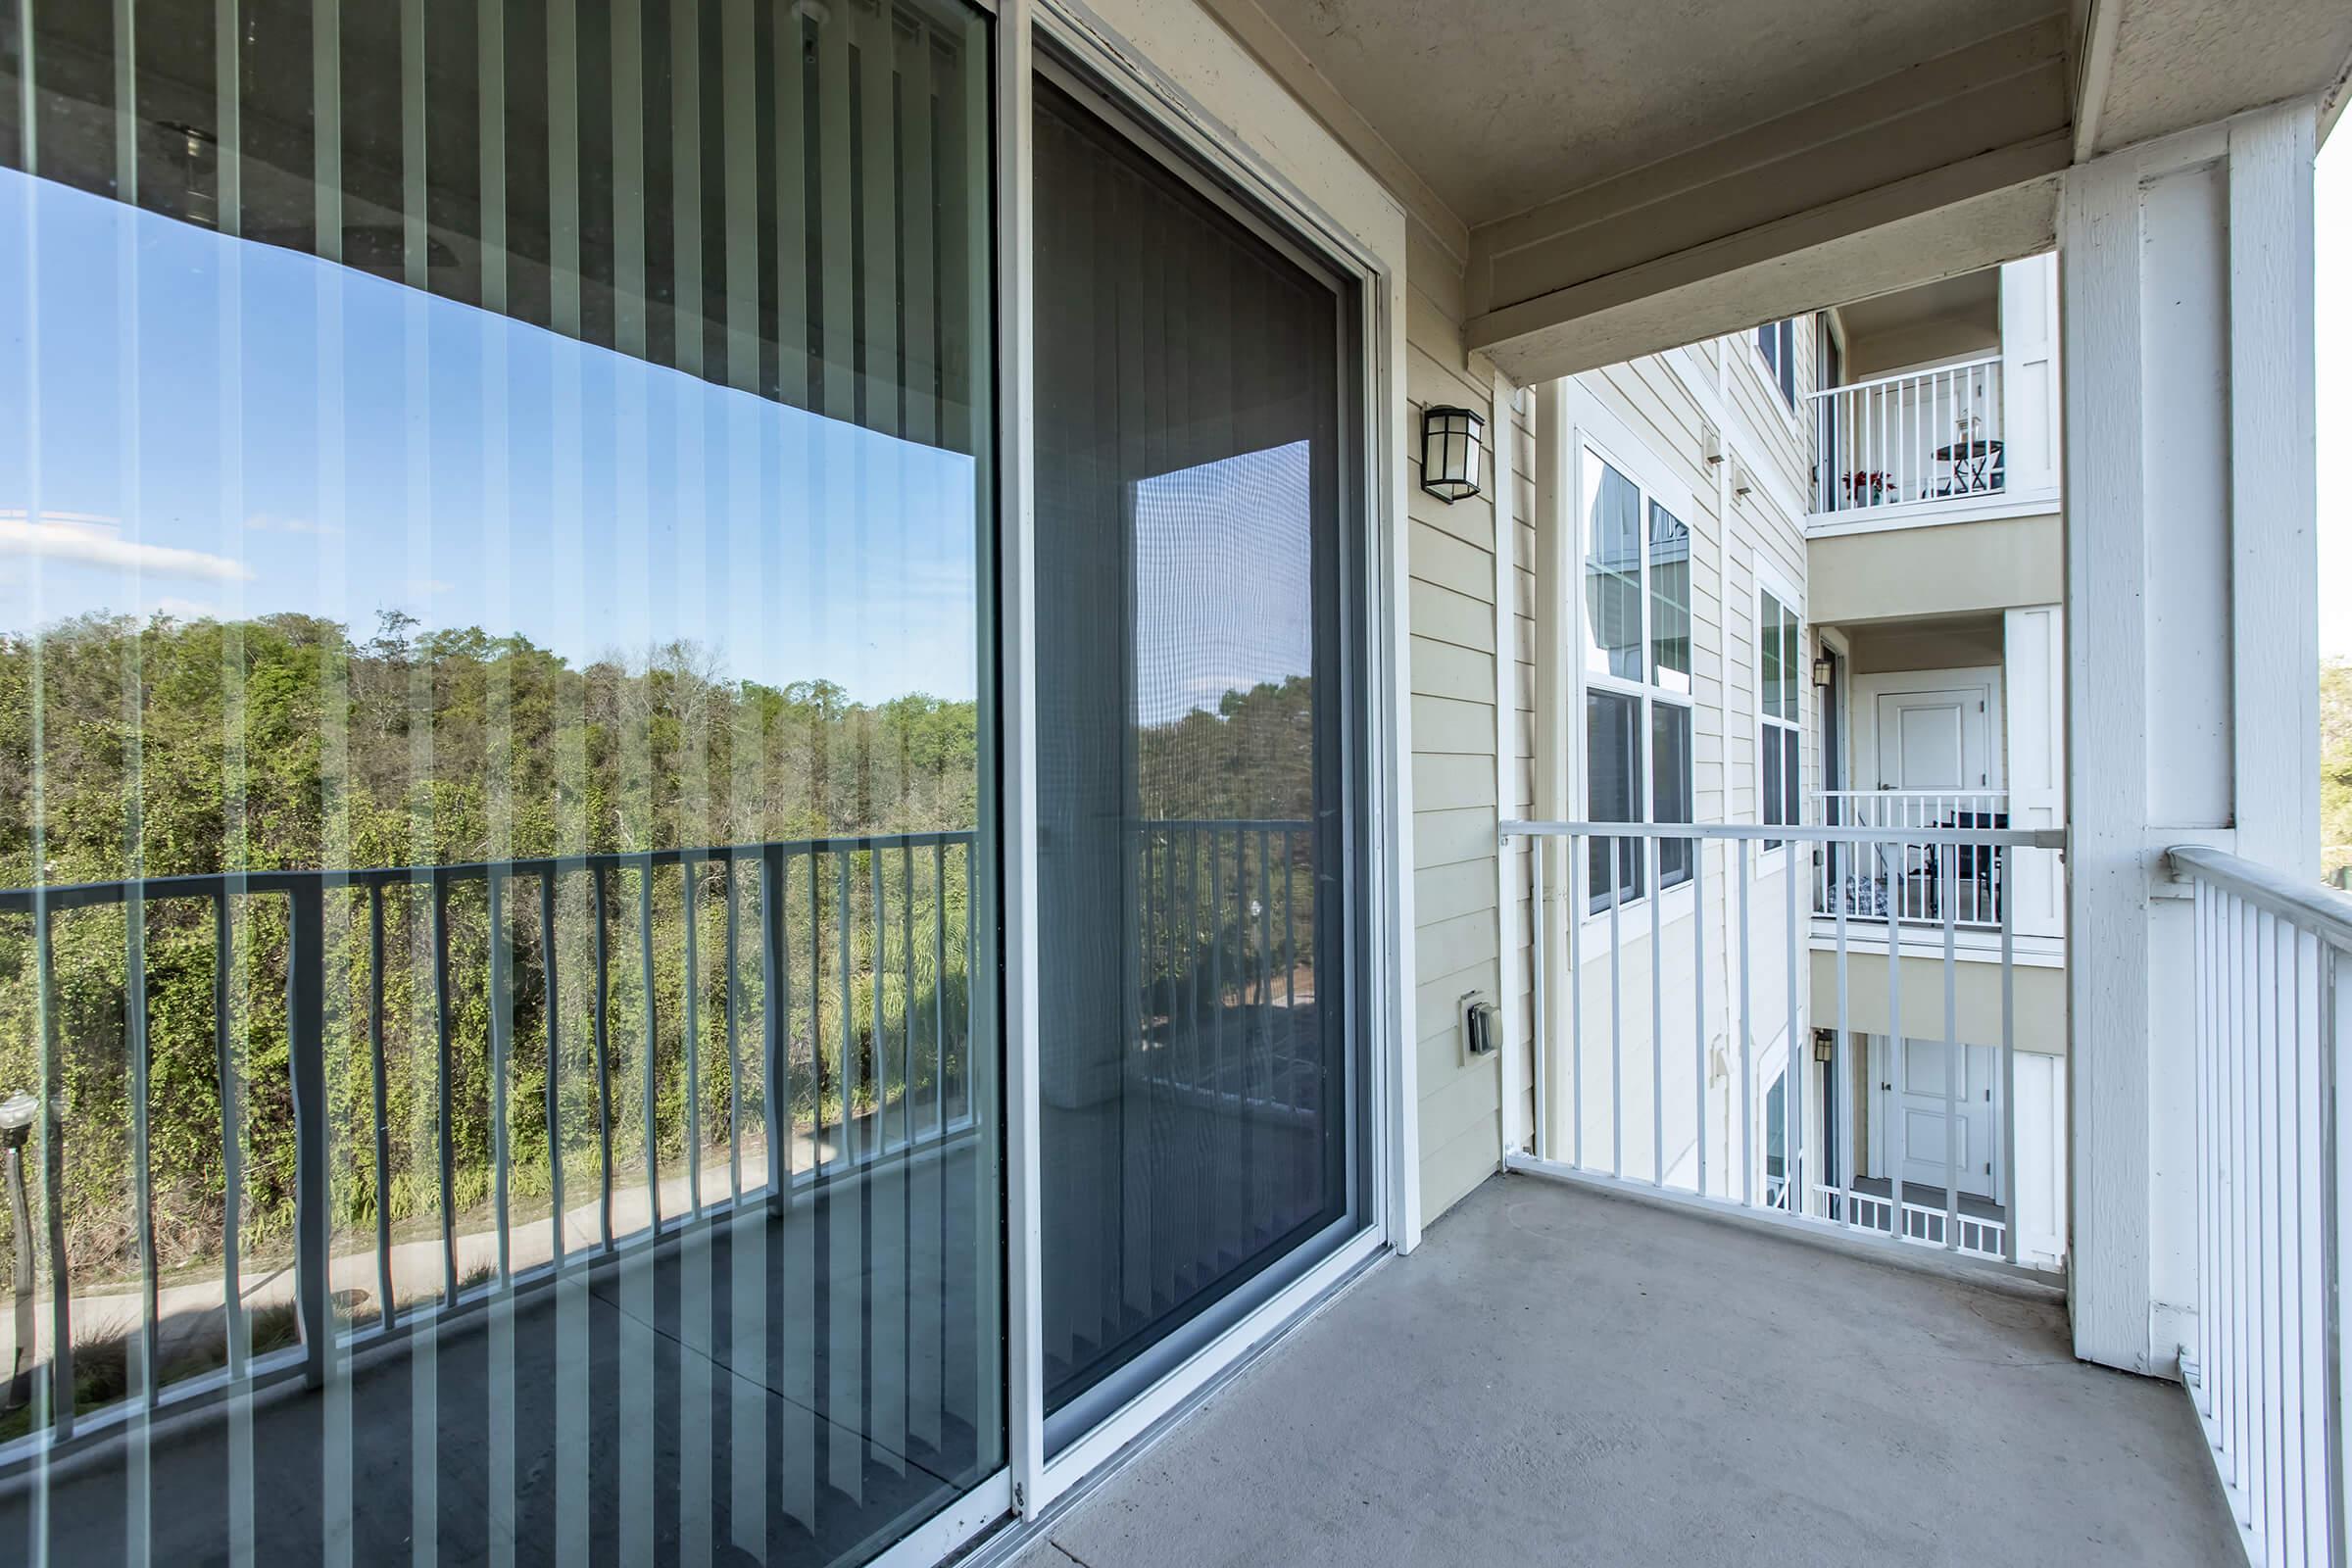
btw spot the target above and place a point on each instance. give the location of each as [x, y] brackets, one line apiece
[1510, 860]
[2187, 277]
[1555, 558]
[2029, 411]
[2033, 762]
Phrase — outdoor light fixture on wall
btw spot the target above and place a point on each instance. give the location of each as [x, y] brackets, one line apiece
[1452, 443]
[1825, 670]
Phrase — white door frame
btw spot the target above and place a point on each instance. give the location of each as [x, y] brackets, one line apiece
[1862, 711]
[1359, 232]
[1887, 1093]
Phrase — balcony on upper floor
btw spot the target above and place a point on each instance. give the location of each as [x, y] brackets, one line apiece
[1938, 404]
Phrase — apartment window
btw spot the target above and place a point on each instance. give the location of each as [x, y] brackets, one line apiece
[1779, 711]
[1776, 342]
[1775, 1140]
[1637, 680]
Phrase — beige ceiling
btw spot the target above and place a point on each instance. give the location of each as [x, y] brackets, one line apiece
[1504, 104]
[1972, 297]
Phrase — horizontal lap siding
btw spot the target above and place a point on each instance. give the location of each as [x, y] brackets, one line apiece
[1451, 663]
[1664, 406]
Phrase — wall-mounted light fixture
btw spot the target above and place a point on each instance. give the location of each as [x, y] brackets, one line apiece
[1453, 442]
[1710, 444]
[1825, 670]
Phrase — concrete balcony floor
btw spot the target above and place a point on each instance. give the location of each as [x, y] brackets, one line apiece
[1562, 1376]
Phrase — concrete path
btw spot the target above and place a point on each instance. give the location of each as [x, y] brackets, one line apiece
[189, 1312]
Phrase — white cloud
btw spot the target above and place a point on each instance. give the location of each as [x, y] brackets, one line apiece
[179, 609]
[278, 522]
[98, 541]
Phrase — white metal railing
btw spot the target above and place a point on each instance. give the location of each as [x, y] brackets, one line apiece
[1641, 1082]
[2274, 1111]
[1923, 436]
[1913, 879]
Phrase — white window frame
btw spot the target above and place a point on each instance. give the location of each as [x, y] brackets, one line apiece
[1766, 580]
[1647, 692]
[1783, 377]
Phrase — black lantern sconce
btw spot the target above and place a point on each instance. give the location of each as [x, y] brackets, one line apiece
[1453, 443]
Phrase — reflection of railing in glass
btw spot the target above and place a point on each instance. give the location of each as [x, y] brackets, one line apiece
[845, 960]
[1227, 934]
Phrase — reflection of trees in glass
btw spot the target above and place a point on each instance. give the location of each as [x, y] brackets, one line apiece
[1225, 908]
[284, 743]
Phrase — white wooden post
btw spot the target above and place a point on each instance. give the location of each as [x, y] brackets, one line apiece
[2033, 718]
[1511, 869]
[2030, 382]
[2187, 281]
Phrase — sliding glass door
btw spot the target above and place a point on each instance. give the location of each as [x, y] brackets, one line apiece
[496, 529]
[500, 967]
[1201, 1063]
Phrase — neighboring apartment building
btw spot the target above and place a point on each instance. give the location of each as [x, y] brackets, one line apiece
[1818, 582]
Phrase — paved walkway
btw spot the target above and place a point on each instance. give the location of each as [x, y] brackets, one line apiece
[189, 1312]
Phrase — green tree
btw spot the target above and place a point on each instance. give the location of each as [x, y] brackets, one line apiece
[2335, 765]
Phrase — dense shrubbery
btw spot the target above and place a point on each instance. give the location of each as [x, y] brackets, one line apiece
[281, 743]
[169, 746]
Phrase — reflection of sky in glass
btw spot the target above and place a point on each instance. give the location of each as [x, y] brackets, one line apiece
[1224, 596]
[367, 447]
[1612, 509]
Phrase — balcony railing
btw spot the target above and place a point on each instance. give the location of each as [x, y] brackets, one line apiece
[1914, 879]
[2274, 1107]
[1226, 912]
[844, 1010]
[1899, 440]
[1668, 1092]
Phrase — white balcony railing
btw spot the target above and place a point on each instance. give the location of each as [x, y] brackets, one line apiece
[1910, 876]
[1899, 440]
[1668, 1069]
[2273, 1106]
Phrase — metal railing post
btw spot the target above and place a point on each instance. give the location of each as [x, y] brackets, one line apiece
[306, 1042]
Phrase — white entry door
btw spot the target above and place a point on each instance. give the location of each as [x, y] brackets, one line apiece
[1935, 740]
[1912, 1096]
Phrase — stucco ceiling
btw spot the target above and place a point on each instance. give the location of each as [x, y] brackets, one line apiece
[1507, 103]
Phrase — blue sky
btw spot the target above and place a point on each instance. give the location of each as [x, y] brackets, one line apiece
[372, 448]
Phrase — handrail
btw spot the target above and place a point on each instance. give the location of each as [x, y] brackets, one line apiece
[2313, 906]
[1914, 374]
[60, 895]
[1701, 1091]
[1904, 795]
[2023, 837]
[2263, 1362]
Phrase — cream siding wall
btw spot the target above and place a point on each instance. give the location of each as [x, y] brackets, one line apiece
[1655, 414]
[1657, 411]
[1451, 653]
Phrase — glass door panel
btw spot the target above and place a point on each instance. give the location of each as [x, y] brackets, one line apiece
[1198, 1066]
[495, 507]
